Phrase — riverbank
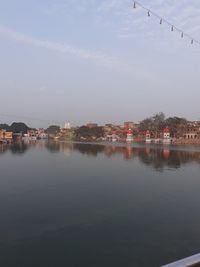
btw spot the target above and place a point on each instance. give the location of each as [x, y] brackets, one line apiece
[187, 142]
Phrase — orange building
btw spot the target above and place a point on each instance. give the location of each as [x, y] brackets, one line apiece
[6, 136]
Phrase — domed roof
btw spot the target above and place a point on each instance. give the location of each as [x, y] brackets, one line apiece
[130, 131]
[166, 130]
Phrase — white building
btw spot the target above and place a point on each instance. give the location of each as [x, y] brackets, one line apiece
[129, 137]
[67, 125]
[166, 136]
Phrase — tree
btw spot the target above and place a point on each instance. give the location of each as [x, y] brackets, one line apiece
[87, 132]
[177, 125]
[145, 125]
[53, 129]
[154, 123]
[15, 127]
[157, 123]
[19, 127]
[4, 126]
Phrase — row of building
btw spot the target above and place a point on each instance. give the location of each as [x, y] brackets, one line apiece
[8, 137]
[128, 132]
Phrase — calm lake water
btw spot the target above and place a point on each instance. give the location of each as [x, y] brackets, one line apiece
[98, 205]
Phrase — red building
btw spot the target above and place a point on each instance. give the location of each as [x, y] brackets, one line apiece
[128, 125]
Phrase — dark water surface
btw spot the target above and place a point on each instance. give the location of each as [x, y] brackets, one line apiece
[97, 205]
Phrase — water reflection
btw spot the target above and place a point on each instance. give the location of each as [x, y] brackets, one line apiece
[109, 204]
[158, 158]
[16, 148]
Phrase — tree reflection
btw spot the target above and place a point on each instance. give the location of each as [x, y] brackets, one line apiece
[156, 157]
[3, 149]
[88, 149]
[18, 148]
[53, 147]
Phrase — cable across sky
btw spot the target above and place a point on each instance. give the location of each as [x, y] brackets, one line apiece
[164, 21]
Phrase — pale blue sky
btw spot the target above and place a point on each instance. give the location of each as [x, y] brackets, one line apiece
[91, 60]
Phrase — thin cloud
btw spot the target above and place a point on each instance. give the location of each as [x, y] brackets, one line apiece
[184, 14]
[98, 57]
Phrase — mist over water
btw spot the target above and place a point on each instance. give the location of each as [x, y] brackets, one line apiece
[65, 204]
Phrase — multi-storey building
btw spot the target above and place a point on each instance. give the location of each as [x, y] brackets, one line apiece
[6, 136]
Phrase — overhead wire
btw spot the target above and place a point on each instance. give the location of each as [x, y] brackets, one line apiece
[165, 21]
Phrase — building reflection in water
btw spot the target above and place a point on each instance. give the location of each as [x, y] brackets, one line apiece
[128, 153]
[156, 157]
[113, 149]
[67, 150]
[166, 152]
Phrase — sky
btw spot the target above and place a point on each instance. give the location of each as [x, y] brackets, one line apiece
[97, 61]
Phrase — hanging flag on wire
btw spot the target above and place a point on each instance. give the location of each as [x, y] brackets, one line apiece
[164, 21]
